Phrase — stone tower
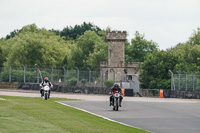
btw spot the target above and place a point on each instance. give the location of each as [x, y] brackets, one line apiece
[116, 41]
[116, 67]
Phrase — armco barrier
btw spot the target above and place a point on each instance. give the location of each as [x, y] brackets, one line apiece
[172, 94]
[181, 94]
[166, 94]
[128, 92]
[9, 85]
[67, 89]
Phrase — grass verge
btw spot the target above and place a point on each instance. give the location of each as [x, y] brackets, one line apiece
[29, 114]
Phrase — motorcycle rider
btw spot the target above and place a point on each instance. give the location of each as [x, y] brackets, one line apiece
[115, 89]
[44, 83]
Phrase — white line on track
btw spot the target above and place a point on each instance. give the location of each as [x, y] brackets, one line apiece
[106, 118]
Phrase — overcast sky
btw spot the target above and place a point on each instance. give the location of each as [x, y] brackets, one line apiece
[166, 22]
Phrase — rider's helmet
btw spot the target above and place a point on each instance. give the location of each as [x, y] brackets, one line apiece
[116, 86]
[46, 79]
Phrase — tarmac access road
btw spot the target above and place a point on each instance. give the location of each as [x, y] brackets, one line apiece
[157, 117]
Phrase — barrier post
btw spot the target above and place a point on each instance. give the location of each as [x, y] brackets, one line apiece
[123, 91]
[161, 93]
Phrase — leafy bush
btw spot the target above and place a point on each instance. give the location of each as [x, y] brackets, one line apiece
[197, 88]
[71, 74]
[18, 76]
[109, 83]
[72, 81]
[45, 74]
[83, 81]
[160, 84]
[4, 76]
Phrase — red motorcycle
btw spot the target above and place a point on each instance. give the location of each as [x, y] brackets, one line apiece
[116, 98]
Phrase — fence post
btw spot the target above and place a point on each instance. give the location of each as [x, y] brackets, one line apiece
[185, 81]
[51, 73]
[77, 74]
[37, 75]
[172, 80]
[64, 74]
[179, 82]
[89, 74]
[192, 81]
[10, 73]
[102, 79]
[24, 73]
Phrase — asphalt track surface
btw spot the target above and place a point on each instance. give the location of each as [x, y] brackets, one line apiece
[157, 117]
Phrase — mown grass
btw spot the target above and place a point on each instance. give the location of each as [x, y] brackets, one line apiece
[26, 114]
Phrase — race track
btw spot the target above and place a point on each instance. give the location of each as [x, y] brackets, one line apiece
[156, 117]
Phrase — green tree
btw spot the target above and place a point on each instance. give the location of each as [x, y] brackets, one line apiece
[12, 34]
[35, 46]
[155, 70]
[188, 55]
[73, 32]
[89, 51]
[139, 48]
[2, 58]
[76, 57]
[109, 83]
[184, 57]
[195, 38]
[55, 31]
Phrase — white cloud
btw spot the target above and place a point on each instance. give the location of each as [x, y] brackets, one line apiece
[166, 22]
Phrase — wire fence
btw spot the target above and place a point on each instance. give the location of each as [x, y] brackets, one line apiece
[185, 82]
[56, 75]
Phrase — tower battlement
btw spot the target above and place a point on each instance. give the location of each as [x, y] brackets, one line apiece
[127, 65]
[116, 36]
[103, 64]
[132, 64]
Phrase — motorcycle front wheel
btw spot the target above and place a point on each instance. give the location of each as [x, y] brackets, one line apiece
[45, 96]
[117, 103]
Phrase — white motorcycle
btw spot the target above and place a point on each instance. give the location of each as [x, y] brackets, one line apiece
[116, 101]
[46, 92]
